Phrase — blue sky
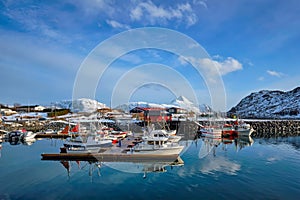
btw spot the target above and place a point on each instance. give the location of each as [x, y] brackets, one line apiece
[253, 43]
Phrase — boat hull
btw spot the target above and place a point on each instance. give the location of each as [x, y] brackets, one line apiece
[158, 151]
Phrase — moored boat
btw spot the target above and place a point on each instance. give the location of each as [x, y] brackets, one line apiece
[28, 136]
[157, 143]
[170, 134]
[212, 132]
[243, 128]
[91, 144]
[228, 130]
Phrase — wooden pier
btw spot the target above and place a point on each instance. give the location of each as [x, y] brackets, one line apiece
[103, 157]
[62, 136]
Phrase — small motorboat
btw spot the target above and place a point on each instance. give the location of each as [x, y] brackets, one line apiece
[91, 144]
[157, 143]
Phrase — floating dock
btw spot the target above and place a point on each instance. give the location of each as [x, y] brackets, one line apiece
[104, 157]
[62, 136]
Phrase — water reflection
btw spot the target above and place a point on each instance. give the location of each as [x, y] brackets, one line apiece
[213, 154]
[243, 141]
[209, 145]
[142, 168]
[208, 164]
[209, 153]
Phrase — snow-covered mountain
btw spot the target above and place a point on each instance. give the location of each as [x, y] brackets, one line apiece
[181, 102]
[205, 109]
[89, 105]
[269, 104]
[80, 105]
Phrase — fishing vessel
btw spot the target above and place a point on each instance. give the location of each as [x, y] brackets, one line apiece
[81, 144]
[243, 128]
[28, 136]
[171, 134]
[157, 143]
[212, 132]
[228, 130]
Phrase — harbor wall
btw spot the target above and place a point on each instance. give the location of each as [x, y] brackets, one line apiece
[275, 128]
[263, 128]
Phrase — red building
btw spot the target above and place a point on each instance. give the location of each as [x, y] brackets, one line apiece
[152, 114]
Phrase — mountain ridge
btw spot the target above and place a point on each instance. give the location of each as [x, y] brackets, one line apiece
[269, 104]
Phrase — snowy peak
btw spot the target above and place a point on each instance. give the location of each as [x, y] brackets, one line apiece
[185, 103]
[269, 104]
[183, 99]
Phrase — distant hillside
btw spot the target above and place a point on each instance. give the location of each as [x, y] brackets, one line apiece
[269, 104]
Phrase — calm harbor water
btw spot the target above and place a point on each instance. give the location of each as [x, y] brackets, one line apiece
[213, 169]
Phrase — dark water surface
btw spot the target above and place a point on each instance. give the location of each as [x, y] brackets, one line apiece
[213, 169]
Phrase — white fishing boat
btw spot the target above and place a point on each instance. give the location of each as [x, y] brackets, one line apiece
[91, 144]
[171, 134]
[157, 143]
[117, 134]
[243, 128]
[28, 136]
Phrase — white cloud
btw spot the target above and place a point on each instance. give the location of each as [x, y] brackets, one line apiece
[159, 14]
[214, 67]
[116, 24]
[274, 73]
[220, 164]
[93, 8]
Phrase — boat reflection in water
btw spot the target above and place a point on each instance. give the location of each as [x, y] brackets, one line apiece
[214, 153]
[243, 141]
[210, 144]
[142, 167]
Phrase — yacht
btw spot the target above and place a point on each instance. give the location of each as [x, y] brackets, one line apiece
[157, 143]
[91, 144]
[28, 136]
[170, 134]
